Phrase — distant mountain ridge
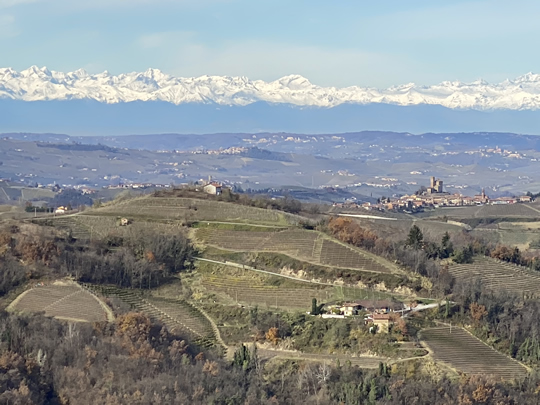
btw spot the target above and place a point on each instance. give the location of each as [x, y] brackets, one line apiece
[41, 84]
[89, 117]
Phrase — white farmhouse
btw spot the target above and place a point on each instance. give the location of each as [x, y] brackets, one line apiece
[213, 188]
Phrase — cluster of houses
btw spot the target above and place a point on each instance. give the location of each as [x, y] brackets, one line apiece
[379, 313]
[434, 196]
[136, 186]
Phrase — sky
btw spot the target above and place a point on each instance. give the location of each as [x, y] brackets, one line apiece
[332, 43]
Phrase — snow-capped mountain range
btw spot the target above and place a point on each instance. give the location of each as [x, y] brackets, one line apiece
[38, 84]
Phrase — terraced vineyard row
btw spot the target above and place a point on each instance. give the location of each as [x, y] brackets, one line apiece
[497, 276]
[462, 351]
[302, 244]
[174, 314]
[88, 226]
[336, 255]
[251, 292]
[78, 230]
[61, 301]
[195, 209]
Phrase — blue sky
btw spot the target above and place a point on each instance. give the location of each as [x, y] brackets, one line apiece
[332, 43]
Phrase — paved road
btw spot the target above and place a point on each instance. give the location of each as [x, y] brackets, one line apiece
[367, 217]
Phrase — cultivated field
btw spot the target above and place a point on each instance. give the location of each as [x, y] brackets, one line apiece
[63, 301]
[268, 291]
[253, 292]
[176, 315]
[85, 226]
[301, 244]
[524, 210]
[467, 354]
[433, 230]
[11, 194]
[497, 276]
[197, 210]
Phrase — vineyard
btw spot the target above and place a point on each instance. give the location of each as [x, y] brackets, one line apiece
[301, 244]
[498, 276]
[518, 210]
[63, 301]
[176, 315]
[395, 229]
[508, 210]
[95, 227]
[235, 285]
[255, 293]
[197, 210]
[465, 353]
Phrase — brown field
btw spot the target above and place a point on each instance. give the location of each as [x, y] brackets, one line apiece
[301, 244]
[460, 350]
[498, 276]
[64, 301]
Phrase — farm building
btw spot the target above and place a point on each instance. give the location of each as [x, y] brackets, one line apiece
[60, 210]
[375, 306]
[381, 306]
[350, 308]
[382, 321]
[213, 188]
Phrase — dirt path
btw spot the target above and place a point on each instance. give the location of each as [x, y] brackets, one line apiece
[229, 350]
[246, 267]
[245, 224]
[360, 361]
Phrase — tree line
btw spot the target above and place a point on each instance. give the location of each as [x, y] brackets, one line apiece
[145, 261]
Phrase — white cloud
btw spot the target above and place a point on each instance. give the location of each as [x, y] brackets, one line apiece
[460, 21]
[180, 54]
[12, 3]
[7, 26]
[163, 39]
[79, 5]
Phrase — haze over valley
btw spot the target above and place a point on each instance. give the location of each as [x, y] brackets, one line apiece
[236, 202]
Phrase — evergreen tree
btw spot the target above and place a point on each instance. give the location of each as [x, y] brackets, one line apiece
[316, 309]
[314, 306]
[372, 397]
[415, 238]
[447, 248]
[242, 358]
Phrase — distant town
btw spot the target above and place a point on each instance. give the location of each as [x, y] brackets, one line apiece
[433, 196]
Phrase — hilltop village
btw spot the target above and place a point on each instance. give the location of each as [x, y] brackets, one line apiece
[434, 196]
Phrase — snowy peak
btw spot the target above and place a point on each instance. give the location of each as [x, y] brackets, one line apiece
[35, 84]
